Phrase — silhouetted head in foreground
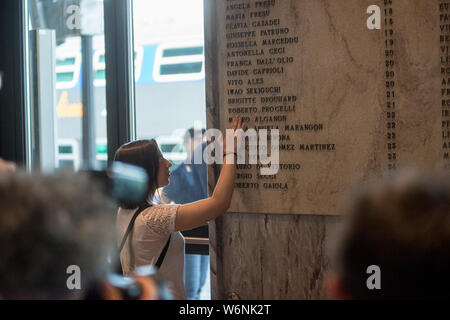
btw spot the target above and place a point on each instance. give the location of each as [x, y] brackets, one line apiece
[394, 242]
[56, 233]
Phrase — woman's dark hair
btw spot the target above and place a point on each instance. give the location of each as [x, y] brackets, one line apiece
[144, 154]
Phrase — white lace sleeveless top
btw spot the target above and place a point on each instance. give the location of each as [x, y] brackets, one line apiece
[149, 236]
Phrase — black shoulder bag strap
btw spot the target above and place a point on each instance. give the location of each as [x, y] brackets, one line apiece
[163, 254]
[130, 228]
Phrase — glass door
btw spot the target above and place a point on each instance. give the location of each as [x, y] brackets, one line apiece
[67, 100]
[171, 108]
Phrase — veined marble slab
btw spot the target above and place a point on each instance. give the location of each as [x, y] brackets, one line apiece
[339, 76]
[350, 103]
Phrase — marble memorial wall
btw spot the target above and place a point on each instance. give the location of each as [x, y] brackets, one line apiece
[355, 88]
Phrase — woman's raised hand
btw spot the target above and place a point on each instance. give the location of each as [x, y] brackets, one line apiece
[233, 134]
[195, 214]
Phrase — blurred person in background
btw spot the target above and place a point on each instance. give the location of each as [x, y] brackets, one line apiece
[188, 183]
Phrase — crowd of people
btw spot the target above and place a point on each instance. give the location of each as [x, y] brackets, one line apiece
[61, 236]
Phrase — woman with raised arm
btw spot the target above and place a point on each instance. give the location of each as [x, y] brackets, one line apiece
[155, 238]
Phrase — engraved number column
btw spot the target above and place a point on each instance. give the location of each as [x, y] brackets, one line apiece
[390, 85]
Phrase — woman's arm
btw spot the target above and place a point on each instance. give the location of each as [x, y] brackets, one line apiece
[195, 214]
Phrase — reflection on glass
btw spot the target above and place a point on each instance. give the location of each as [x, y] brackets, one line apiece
[70, 21]
[170, 74]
